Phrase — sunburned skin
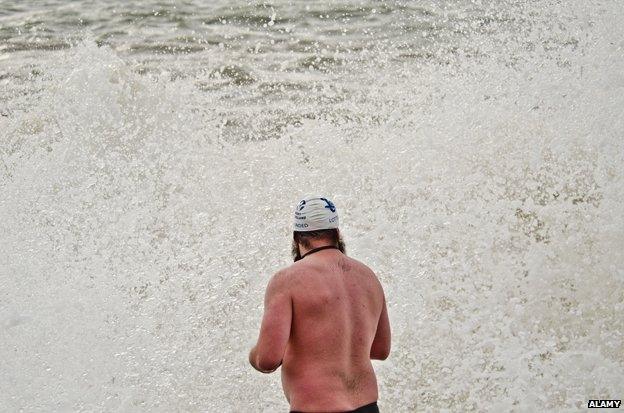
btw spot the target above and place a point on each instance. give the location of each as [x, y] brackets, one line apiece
[325, 318]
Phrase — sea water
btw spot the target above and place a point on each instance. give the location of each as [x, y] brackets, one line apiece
[151, 154]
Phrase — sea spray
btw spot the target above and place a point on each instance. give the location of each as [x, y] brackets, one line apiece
[479, 174]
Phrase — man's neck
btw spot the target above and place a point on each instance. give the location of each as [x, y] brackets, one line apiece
[314, 245]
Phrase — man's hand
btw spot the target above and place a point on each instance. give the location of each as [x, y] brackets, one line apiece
[266, 356]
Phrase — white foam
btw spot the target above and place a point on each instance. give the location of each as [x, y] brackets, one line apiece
[487, 194]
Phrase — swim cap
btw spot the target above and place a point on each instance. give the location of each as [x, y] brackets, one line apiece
[315, 213]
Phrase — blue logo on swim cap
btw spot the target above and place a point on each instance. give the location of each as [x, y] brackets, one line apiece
[330, 205]
[301, 205]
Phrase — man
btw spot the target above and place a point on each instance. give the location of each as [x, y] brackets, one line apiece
[325, 318]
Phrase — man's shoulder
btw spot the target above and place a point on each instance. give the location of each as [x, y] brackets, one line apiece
[280, 277]
[287, 274]
[365, 271]
[293, 276]
[285, 278]
[293, 269]
[360, 265]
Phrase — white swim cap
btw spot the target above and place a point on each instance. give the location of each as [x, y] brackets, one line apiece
[314, 213]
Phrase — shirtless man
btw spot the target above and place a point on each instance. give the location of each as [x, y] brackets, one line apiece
[325, 318]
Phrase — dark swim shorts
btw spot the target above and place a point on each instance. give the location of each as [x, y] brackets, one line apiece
[369, 408]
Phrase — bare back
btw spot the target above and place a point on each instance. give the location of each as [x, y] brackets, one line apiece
[336, 307]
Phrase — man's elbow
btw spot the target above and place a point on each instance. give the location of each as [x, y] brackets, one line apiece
[380, 353]
[267, 364]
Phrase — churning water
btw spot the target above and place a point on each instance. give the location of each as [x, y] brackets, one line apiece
[151, 154]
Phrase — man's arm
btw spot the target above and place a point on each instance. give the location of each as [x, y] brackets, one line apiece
[380, 350]
[266, 356]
